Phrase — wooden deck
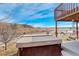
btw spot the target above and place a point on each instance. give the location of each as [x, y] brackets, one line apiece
[70, 48]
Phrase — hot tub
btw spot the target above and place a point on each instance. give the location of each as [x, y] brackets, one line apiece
[41, 45]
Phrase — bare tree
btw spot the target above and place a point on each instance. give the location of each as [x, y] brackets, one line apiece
[7, 33]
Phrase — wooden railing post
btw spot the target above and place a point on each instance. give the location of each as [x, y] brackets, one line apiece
[77, 29]
[56, 32]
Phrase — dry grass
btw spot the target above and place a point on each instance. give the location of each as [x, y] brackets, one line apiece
[11, 49]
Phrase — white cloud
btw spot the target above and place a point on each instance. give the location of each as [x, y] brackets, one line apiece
[37, 24]
[9, 20]
[40, 25]
[2, 17]
[31, 10]
[65, 24]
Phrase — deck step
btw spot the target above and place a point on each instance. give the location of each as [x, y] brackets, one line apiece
[71, 48]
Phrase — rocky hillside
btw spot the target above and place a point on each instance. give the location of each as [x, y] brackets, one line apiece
[21, 28]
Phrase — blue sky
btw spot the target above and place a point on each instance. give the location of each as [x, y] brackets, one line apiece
[35, 14]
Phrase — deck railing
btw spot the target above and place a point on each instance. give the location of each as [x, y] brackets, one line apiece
[65, 9]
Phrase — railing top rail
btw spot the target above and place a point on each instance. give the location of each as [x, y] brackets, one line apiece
[65, 9]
